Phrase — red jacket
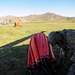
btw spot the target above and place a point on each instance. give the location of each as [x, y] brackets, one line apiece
[38, 48]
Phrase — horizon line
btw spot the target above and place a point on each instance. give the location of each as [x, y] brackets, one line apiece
[34, 14]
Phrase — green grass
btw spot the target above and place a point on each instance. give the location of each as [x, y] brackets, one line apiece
[9, 33]
[14, 42]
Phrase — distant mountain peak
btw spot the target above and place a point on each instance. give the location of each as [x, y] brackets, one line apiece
[42, 17]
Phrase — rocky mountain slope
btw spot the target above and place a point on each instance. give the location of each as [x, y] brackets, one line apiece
[41, 17]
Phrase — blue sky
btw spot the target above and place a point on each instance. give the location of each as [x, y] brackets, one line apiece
[30, 7]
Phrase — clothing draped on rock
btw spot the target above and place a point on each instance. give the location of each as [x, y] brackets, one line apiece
[38, 49]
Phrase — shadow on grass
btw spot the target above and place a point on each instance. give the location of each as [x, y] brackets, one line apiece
[18, 41]
[13, 60]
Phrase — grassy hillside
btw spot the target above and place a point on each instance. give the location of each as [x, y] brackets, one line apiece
[14, 42]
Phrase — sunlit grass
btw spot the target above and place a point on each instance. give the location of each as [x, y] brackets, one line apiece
[9, 33]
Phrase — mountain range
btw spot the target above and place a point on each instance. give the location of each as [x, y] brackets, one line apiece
[41, 17]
